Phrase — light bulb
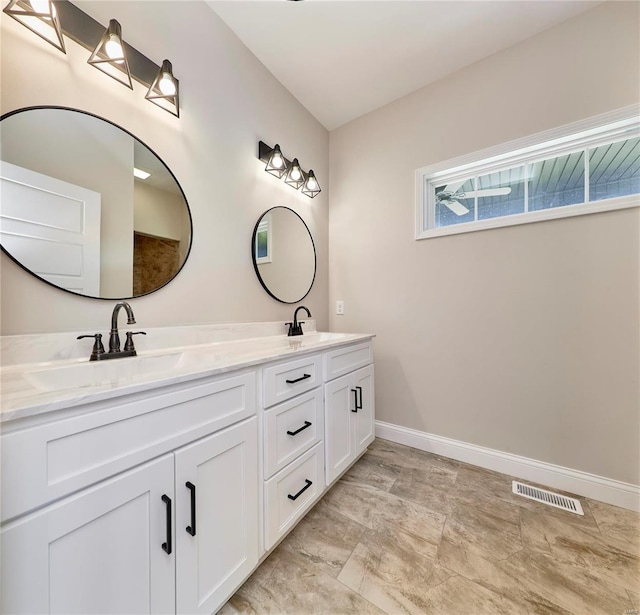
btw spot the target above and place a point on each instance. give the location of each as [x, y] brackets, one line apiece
[312, 184]
[113, 47]
[277, 161]
[42, 6]
[295, 174]
[166, 85]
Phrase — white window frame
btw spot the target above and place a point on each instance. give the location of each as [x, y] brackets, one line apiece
[566, 139]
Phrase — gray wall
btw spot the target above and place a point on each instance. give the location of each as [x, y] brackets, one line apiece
[521, 339]
[229, 102]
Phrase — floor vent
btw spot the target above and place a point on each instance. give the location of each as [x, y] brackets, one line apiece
[548, 497]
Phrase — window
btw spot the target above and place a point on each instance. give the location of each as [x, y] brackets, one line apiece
[579, 169]
[263, 240]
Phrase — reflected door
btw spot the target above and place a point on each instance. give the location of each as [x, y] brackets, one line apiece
[52, 228]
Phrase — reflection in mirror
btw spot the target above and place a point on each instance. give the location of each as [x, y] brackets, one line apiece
[74, 214]
[284, 255]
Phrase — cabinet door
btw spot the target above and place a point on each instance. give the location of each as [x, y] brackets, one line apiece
[99, 551]
[364, 417]
[339, 439]
[217, 554]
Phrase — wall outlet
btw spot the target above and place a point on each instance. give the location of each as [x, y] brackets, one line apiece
[340, 307]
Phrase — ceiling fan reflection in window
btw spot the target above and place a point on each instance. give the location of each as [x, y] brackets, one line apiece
[451, 194]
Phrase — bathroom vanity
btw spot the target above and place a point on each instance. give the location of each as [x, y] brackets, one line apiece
[157, 485]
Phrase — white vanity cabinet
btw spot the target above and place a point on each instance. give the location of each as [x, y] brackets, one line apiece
[99, 551]
[166, 497]
[349, 407]
[293, 460]
[138, 542]
[216, 517]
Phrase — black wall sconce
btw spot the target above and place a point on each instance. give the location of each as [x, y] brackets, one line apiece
[311, 187]
[279, 166]
[41, 17]
[109, 55]
[164, 91]
[50, 19]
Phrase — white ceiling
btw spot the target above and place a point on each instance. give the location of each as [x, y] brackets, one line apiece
[344, 58]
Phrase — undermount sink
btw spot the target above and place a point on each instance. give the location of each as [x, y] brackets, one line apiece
[123, 371]
[99, 373]
[325, 336]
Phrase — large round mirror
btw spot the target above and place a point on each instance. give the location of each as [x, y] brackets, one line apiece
[284, 255]
[88, 207]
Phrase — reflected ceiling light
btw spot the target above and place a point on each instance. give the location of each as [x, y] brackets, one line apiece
[311, 187]
[164, 90]
[294, 176]
[140, 174]
[110, 57]
[41, 17]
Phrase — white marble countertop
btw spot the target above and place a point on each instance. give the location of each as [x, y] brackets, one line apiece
[30, 389]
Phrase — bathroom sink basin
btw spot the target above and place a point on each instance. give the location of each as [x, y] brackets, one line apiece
[97, 373]
[325, 336]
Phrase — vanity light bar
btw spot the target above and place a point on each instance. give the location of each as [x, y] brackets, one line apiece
[87, 32]
[283, 168]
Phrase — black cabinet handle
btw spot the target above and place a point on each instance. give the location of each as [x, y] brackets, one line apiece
[298, 379]
[167, 545]
[355, 400]
[297, 495]
[297, 431]
[191, 529]
[359, 406]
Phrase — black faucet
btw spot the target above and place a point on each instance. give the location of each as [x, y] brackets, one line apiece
[98, 352]
[114, 338]
[295, 327]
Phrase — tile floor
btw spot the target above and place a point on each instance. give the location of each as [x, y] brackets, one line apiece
[405, 531]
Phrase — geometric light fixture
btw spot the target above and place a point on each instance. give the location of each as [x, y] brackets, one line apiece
[41, 17]
[164, 90]
[291, 172]
[311, 187]
[276, 163]
[110, 57]
[52, 20]
[294, 176]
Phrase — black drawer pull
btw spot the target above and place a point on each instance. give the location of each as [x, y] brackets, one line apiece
[298, 379]
[355, 395]
[359, 406]
[166, 546]
[297, 431]
[191, 529]
[297, 495]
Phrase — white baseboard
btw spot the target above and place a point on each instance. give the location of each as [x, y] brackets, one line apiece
[592, 486]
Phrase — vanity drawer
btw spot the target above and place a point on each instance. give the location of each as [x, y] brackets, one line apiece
[45, 463]
[290, 429]
[285, 380]
[302, 480]
[346, 359]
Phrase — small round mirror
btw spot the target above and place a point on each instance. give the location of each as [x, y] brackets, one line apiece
[284, 255]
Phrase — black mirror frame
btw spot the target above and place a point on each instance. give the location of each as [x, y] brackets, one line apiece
[186, 256]
[255, 264]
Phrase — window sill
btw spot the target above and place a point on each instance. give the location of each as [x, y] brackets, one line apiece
[568, 211]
